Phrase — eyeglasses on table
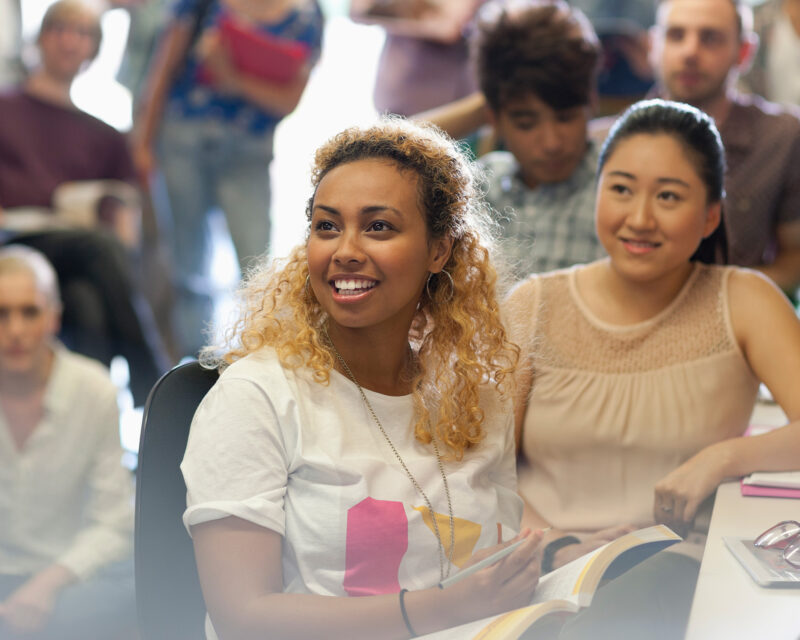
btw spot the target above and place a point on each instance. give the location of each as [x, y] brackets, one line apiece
[784, 535]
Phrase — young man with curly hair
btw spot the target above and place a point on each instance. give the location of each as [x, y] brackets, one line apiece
[536, 64]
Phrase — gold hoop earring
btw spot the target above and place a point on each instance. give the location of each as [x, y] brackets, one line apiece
[436, 283]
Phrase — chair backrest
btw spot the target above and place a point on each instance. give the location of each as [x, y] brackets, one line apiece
[168, 597]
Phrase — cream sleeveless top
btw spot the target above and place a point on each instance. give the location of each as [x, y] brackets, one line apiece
[613, 409]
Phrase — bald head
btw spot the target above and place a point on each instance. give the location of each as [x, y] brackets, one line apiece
[21, 259]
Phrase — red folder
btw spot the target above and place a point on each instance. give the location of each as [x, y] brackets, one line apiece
[260, 54]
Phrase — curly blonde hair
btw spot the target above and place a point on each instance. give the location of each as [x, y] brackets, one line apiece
[457, 334]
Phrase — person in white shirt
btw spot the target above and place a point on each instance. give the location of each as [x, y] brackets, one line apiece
[10, 43]
[359, 443]
[65, 498]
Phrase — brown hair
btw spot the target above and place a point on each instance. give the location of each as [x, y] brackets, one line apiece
[543, 47]
[744, 16]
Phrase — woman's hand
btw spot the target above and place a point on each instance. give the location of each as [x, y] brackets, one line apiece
[217, 61]
[589, 543]
[507, 584]
[679, 494]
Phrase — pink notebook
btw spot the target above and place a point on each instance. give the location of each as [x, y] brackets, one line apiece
[764, 491]
[769, 492]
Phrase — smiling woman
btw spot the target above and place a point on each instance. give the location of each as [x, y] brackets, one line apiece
[369, 256]
[360, 443]
[641, 370]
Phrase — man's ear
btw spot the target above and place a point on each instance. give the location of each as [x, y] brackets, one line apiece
[594, 101]
[747, 51]
[491, 116]
[55, 319]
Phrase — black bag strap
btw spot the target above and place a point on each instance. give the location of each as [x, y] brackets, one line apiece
[200, 16]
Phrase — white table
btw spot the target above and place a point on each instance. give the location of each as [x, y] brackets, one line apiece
[727, 603]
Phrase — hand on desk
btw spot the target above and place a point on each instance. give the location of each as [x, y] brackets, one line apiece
[679, 494]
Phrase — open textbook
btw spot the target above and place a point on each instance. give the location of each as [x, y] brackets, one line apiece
[563, 592]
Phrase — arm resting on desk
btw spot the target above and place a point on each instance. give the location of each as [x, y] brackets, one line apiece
[767, 329]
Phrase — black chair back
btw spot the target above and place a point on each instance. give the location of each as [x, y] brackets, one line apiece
[168, 597]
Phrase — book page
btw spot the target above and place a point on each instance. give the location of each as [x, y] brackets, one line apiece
[559, 584]
[563, 591]
[578, 580]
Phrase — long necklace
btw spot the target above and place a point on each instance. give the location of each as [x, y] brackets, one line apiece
[442, 574]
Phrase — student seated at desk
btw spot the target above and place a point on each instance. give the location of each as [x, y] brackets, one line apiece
[359, 443]
[536, 63]
[639, 372]
[66, 570]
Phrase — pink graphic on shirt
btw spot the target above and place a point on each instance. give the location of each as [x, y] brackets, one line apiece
[377, 540]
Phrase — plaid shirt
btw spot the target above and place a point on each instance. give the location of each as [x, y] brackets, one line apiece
[549, 227]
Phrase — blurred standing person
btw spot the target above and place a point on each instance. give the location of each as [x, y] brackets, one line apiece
[775, 72]
[211, 127]
[66, 569]
[425, 58]
[10, 43]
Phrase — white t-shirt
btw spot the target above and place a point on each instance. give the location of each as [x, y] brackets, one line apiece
[273, 447]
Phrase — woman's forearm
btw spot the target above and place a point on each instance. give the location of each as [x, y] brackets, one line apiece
[458, 119]
[172, 52]
[777, 450]
[304, 617]
[275, 98]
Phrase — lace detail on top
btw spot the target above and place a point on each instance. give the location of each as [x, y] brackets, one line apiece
[693, 327]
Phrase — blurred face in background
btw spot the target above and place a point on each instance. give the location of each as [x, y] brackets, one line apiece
[548, 143]
[28, 323]
[69, 39]
[697, 48]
